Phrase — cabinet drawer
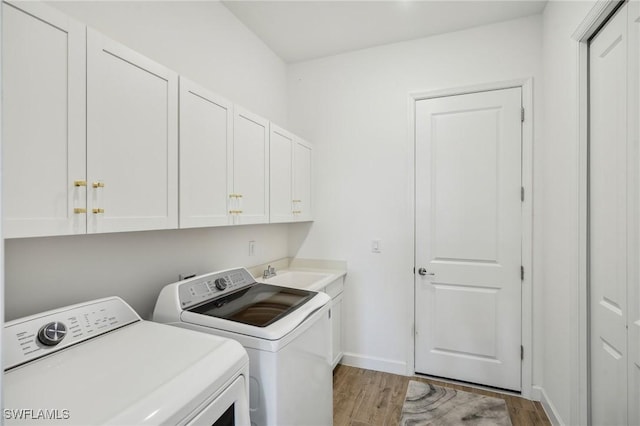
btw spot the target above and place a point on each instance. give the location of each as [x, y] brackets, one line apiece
[335, 288]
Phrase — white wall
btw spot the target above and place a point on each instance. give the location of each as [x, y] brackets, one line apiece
[354, 107]
[201, 40]
[43, 273]
[205, 42]
[559, 169]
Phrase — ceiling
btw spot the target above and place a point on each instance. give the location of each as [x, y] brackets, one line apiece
[300, 30]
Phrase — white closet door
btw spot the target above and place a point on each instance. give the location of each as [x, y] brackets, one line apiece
[206, 138]
[634, 214]
[608, 186]
[132, 139]
[43, 140]
[250, 167]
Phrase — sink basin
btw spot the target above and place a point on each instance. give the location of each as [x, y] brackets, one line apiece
[299, 279]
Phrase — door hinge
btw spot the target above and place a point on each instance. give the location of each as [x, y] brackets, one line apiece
[522, 114]
[521, 352]
[522, 193]
[521, 273]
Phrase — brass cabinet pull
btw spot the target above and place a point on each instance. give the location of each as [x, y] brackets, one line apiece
[98, 184]
[235, 211]
[79, 183]
[79, 210]
[96, 211]
[297, 211]
[235, 195]
[297, 201]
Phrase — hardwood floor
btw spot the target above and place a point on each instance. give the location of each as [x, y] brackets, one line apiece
[365, 397]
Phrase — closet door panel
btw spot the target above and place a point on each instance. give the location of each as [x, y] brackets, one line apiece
[608, 186]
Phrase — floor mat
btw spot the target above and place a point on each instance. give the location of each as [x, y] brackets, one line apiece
[427, 404]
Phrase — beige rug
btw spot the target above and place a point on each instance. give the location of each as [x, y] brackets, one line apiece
[427, 404]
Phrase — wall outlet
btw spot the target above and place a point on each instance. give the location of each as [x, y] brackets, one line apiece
[252, 248]
[376, 246]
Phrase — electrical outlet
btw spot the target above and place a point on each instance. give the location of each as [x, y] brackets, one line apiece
[376, 246]
[252, 248]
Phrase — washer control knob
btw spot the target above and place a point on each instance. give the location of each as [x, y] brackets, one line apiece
[52, 333]
[221, 283]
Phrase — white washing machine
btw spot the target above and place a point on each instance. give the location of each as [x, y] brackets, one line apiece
[286, 332]
[100, 363]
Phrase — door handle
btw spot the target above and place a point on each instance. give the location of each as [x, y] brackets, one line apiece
[424, 272]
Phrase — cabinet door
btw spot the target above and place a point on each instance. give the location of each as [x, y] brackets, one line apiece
[206, 138]
[336, 330]
[132, 140]
[281, 175]
[302, 180]
[250, 167]
[43, 140]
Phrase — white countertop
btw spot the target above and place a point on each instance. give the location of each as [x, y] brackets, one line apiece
[314, 279]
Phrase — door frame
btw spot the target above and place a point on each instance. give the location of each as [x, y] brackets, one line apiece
[526, 85]
[579, 309]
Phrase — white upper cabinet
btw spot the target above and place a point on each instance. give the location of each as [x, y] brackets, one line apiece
[302, 180]
[43, 140]
[206, 161]
[290, 162]
[250, 197]
[281, 179]
[132, 140]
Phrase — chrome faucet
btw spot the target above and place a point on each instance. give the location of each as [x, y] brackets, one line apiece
[269, 272]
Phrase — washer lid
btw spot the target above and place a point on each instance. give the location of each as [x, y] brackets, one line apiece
[276, 330]
[259, 305]
[143, 373]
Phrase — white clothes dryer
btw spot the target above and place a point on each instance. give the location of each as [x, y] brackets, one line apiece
[285, 331]
[99, 363]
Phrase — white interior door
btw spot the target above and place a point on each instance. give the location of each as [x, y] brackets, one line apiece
[468, 237]
[608, 222]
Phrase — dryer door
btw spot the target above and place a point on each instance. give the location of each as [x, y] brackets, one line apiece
[231, 408]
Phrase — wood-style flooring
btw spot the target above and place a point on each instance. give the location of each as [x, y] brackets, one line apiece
[365, 398]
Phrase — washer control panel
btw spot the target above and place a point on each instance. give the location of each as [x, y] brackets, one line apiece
[210, 286]
[32, 337]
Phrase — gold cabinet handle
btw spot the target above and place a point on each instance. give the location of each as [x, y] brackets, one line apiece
[79, 210]
[98, 184]
[235, 195]
[297, 211]
[235, 211]
[79, 183]
[297, 201]
[97, 211]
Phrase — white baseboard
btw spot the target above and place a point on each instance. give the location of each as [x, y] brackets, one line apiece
[539, 394]
[372, 363]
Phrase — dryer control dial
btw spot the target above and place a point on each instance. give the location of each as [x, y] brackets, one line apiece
[52, 333]
[221, 283]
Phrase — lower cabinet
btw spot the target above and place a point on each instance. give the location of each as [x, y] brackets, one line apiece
[334, 290]
[336, 330]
